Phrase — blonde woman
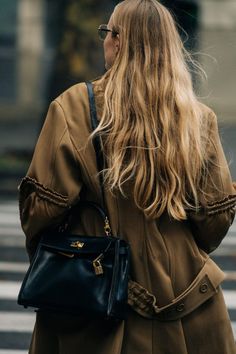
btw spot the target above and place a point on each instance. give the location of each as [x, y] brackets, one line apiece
[168, 190]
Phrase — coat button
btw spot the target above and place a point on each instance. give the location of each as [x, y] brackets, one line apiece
[180, 307]
[203, 288]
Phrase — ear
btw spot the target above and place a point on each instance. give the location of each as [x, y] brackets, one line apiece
[117, 43]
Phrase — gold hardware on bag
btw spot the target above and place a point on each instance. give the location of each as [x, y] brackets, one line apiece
[77, 244]
[97, 267]
[107, 227]
[69, 255]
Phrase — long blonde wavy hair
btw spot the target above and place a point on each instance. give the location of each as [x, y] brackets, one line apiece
[152, 121]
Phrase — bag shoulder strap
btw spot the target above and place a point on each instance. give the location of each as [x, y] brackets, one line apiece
[97, 142]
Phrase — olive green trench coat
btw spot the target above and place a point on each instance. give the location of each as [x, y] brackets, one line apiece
[175, 300]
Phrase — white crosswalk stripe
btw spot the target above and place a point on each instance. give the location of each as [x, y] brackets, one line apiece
[6, 351]
[230, 299]
[9, 289]
[15, 322]
[13, 267]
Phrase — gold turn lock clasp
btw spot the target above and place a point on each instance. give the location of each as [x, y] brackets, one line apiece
[77, 244]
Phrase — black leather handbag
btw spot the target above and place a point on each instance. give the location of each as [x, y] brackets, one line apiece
[82, 275]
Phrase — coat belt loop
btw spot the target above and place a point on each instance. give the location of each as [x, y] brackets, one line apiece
[203, 287]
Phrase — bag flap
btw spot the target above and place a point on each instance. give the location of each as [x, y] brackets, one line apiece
[81, 244]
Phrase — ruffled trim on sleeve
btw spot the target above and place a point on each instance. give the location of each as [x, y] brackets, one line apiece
[217, 207]
[29, 185]
[220, 206]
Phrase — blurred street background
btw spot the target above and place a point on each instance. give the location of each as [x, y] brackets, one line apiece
[45, 47]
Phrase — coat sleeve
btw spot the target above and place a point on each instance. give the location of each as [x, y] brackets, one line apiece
[217, 202]
[53, 181]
